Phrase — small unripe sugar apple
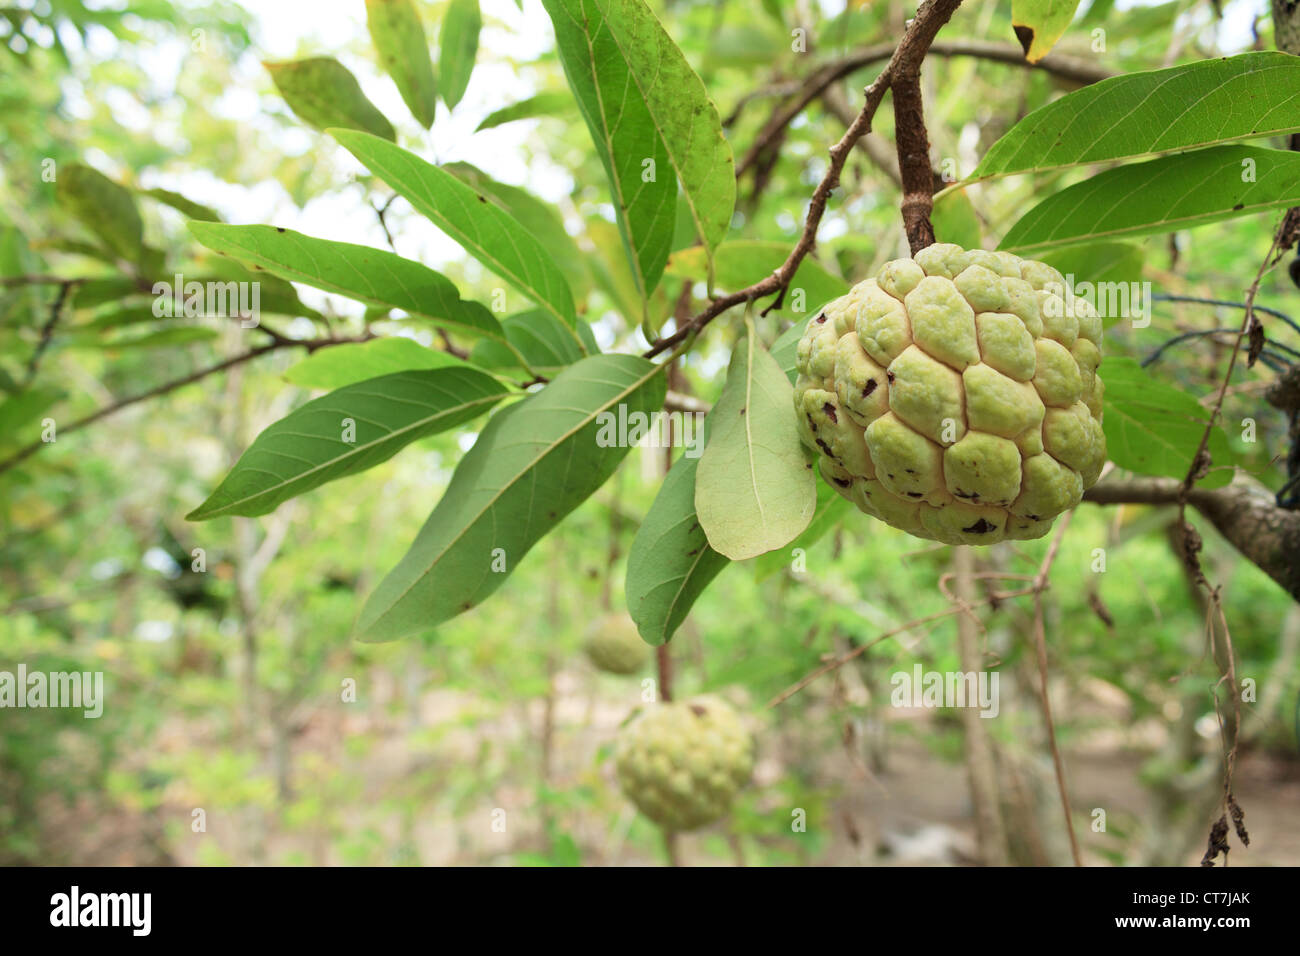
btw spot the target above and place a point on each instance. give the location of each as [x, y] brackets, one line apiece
[956, 395]
[682, 763]
[613, 645]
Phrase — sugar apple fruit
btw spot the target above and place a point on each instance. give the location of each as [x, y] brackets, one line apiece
[613, 645]
[956, 395]
[682, 763]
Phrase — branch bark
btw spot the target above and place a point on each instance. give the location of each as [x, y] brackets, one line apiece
[1244, 512]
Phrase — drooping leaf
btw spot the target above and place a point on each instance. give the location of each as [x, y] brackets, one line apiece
[372, 276]
[398, 36]
[486, 231]
[532, 464]
[341, 365]
[183, 205]
[755, 489]
[324, 94]
[458, 42]
[1162, 195]
[743, 262]
[1153, 428]
[1039, 24]
[347, 431]
[1208, 103]
[551, 103]
[832, 508]
[106, 208]
[670, 562]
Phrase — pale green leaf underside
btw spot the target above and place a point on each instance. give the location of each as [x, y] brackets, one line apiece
[755, 490]
[532, 464]
[458, 43]
[310, 445]
[1161, 195]
[1184, 107]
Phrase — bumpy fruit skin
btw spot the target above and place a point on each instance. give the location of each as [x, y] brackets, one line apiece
[614, 646]
[682, 763]
[956, 396]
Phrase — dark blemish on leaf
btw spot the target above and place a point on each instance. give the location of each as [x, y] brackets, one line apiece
[1026, 37]
[552, 515]
[279, 228]
[481, 198]
[1238, 207]
[979, 527]
[829, 409]
[743, 409]
[693, 552]
[869, 387]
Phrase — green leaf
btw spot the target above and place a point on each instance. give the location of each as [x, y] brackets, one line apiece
[832, 508]
[398, 36]
[540, 219]
[532, 464]
[755, 489]
[1111, 262]
[487, 232]
[955, 220]
[625, 136]
[458, 40]
[1207, 103]
[556, 103]
[24, 410]
[670, 563]
[785, 350]
[368, 275]
[107, 209]
[324, 94]
[1039, 24]
[354, 362]
[1162, 195]
[310, 445]
[98, 291]
[538, 342]
[1153, 428]
[182, 205]
[742, 262]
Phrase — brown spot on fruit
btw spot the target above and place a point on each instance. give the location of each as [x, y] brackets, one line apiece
[979, 527]
[829, 409]
[869, 387]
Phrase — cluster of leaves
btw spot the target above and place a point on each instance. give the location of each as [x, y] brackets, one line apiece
[672, 180]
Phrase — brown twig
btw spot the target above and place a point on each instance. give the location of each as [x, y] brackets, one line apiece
[47, 329]
[913, 144]
[1040, 647]
[277, 342]
[932, 15]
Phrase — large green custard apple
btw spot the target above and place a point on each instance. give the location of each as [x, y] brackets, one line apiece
[955, 395]
[682, 763]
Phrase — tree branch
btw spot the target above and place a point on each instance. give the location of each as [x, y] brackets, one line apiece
[1244, 512]
[932, 15]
